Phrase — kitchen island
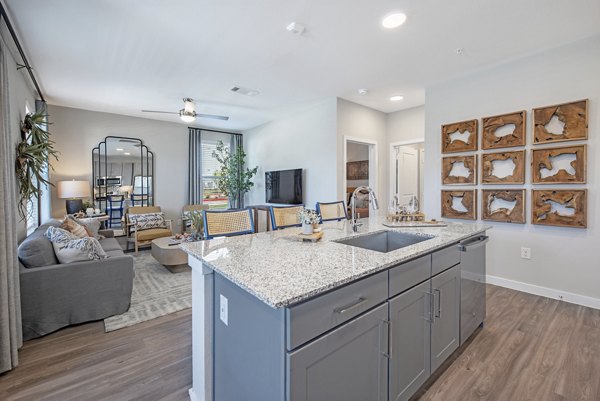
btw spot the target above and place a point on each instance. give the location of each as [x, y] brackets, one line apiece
[275, 318]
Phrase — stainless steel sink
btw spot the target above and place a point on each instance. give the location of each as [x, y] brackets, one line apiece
[384, 241]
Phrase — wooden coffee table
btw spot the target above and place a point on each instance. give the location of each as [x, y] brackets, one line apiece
[170, 256]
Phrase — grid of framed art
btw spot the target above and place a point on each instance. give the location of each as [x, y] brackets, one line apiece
[500, 166]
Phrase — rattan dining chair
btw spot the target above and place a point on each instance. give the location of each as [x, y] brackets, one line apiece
[331, 211]
[227, 223]
[285, 216]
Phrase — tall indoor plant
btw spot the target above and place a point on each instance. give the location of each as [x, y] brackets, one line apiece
[33, 159]
[232, 178]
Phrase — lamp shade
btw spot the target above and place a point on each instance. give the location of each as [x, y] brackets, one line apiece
[73, 189]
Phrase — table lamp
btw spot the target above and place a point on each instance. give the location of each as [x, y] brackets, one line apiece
[73, 191]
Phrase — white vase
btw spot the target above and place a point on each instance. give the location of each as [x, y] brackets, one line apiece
[89, 211]
[307, 229]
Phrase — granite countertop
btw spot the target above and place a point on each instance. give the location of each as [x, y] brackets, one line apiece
[280, 270]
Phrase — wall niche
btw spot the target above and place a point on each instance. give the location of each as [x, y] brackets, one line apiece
[565, 165]
[503, 131]
[503, 205]
[458, 170]
[564, 208]
[503, 167]
[459, 137]
[561, 122]
[459, 204]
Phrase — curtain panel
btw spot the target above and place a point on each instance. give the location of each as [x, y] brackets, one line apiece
[11, 337]
[195, 166]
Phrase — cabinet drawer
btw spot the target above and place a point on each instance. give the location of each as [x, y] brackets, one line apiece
[444, 259]
[318, 315]
[409, 274]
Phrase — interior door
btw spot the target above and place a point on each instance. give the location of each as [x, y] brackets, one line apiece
[407, 162]
[348, 364]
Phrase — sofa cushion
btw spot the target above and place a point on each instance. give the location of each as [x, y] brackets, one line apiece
[69, 249]
[36, 250]
[115, 253]
[110, 244]
[74, 227]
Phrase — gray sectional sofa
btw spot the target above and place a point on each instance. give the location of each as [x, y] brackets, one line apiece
[55, 295]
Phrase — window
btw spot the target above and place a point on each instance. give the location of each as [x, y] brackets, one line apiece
[211, 195]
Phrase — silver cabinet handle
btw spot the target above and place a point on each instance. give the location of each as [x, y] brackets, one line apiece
[387, 354]
[346, 308]
[429, 307]
[438, 312]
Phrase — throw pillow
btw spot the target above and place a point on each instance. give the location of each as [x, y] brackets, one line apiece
[69, 249]
[92, 226]
[146, 221]
[74, 227]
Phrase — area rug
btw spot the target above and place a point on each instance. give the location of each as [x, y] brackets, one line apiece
[156, 292]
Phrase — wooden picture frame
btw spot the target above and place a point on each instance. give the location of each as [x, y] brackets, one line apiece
[574, 116]
[504, 215]
[469, 202]
[358, 170]
[487, 167]
[541, 207]
[450, 146]
[489, 126]
[470, 163]
[542, 159]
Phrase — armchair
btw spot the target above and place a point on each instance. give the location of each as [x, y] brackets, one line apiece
[143, 237]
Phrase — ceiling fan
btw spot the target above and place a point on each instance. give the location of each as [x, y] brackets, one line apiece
[188, 113]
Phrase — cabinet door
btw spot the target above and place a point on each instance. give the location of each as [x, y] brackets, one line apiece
[410, 314]
[445, 329]
[348, 364]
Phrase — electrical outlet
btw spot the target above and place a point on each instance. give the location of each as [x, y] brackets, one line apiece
[525, 253]
[223, 309]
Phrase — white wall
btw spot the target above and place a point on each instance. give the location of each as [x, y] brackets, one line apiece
[562, 258]
[77, 132]
[406, 125]
[359, 122]
[21, 93]
[305, 139]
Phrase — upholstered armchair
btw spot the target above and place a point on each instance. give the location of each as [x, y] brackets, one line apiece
[146, 223]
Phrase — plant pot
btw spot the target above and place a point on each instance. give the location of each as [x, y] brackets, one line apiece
[307, 229]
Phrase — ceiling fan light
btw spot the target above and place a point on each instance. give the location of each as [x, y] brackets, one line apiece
[188, 118]
[188, 106]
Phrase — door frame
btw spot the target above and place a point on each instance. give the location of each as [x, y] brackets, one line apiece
[373, 163]
[392, 166]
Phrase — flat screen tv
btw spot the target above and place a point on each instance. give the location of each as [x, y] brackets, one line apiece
[284, 186]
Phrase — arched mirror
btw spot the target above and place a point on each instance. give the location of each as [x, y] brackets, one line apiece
[123, 172]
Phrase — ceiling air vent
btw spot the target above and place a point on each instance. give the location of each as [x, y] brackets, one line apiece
[245, 91]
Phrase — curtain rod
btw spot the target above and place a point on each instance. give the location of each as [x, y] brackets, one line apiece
[212, 130]
[4, 15]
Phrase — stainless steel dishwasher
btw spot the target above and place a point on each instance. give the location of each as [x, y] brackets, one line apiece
[472, 273]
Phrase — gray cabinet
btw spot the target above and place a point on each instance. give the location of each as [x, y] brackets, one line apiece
[410, 314]
[445, 326]
[348, 364]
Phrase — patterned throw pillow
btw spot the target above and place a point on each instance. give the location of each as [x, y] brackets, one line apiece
[75, 227]
[92, 226]
[146, 221]
[69, 248]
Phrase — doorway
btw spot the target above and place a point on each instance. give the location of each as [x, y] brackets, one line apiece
[408, 171]
[360, 169]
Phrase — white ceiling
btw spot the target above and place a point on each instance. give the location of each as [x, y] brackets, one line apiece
[123, 56]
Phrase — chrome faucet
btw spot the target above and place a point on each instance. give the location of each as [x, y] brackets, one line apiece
[372, 198]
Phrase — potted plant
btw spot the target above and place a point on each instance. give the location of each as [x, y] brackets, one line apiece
[33, 159]
[232, 179]
[197, 221]
[309, 218]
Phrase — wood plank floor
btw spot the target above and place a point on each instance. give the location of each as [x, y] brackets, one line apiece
[531, 348]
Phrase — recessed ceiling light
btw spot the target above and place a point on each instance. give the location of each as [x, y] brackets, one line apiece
[119, 149]
[363, 92]
[396, 98]
[127, 154]
[394, 20]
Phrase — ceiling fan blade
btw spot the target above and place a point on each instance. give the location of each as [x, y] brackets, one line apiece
[214, 117]
[158, 111]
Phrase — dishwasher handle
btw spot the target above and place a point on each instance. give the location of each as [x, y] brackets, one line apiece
[473, 243]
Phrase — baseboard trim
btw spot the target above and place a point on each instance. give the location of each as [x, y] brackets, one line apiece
[192, 395]
[545, 291]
